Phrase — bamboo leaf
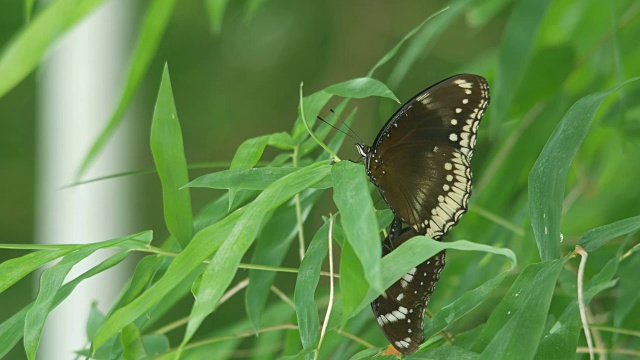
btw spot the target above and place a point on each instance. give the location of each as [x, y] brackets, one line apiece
[306, 284]
[361, 88]
[351, 195]
[168, 155]
[25, 51]
[548, 177]
[224, 264]
[516, 325]
[153, 27]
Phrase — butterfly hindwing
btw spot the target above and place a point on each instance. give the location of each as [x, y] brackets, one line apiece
[400, 311]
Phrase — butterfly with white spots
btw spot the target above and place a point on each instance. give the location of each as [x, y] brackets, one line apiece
[420, 160]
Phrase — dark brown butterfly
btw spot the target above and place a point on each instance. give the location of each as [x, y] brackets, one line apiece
[400, 313]
[420, 159]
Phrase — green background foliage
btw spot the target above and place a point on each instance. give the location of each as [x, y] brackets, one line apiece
[240, 190]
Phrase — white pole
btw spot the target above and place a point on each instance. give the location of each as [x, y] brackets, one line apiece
[79, 85]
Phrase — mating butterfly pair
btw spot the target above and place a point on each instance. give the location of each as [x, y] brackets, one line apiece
[420, 163]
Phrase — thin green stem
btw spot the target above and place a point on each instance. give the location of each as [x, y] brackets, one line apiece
[155, 250]
[616, 330]
[230, 337]
[330, 306]
[207, 165]
[301, 243]
[497, 219]
[304, 121]
[355, 338]
[38, 246]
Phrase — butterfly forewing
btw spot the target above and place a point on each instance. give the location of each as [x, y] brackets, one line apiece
[400, 312]
[420, 159]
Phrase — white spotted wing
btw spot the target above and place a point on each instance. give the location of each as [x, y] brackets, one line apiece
[420, 160]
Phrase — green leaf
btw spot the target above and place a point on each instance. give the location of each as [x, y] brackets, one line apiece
[12, 329]
[415, 251]
[629, 290]
[13, 270]
[462, 306]
[23, 53]
[95, 321]
[168, 155]
[312, 105]
[358, 219]
[155, 344]
[272, 247]
[445, 352]
[361, 88]
[132, 346]
[516, 325]
[28, 9]
[218, 209]
[594, 238]
[246, 157]
[216, 10]
[353, 286]
[203, 244]
[429, 31]
[224, 264]
[548, 177]
[50, 283]
[336, 141]
[562, 339]
[516, 50]
[144, 272]
[306, 284]
[253, 179]
[367, 354]
[153, 27]
[485, 11]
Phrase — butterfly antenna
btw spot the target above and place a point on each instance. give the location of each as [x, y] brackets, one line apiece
[355, 136]
[328, 123]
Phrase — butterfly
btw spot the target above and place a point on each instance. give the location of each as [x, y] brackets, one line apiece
[400, 312]
[420, 160]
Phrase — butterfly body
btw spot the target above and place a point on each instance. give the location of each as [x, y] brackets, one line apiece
[420, 163]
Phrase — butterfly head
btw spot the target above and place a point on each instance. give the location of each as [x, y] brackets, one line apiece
[365, 153]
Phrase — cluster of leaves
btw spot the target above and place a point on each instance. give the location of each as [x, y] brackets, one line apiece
[493, 311]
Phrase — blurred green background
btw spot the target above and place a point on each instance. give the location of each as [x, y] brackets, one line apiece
[244, 82]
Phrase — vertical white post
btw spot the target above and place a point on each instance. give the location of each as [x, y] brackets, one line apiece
[79, 86]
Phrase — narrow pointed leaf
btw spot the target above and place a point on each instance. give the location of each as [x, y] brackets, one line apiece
[306, 284]
[224, 263]
[203, 244]
[361, 88]
[593, 239]
[414, 252]
[153, 27]
[13, 270]
[516, 50]
[351, 195]
[273, 245]
[168, 155]
[50, 284]
[548, 177]
[24, 52]
[515, 326]
[461, 306]
[252, 179]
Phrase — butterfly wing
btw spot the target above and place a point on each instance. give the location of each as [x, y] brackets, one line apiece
[400, 312]
[420, 159]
